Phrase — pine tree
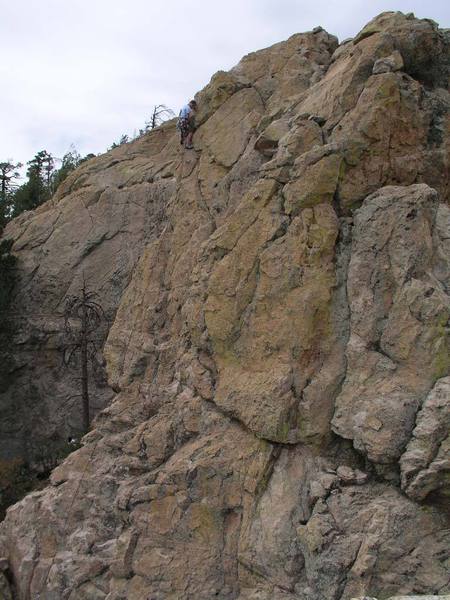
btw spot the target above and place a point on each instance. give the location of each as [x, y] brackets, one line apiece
[9, 172]
[40, 169]
[39, 186]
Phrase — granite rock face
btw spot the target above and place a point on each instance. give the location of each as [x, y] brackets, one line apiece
[440, 597]
[399, 314]
[95, 230]
[279, 345]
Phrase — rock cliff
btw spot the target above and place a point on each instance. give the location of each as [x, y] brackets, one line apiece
[279, 344]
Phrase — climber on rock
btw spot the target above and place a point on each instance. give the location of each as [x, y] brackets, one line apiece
[186, 124]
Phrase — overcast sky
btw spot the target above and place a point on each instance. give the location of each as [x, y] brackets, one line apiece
[87, 71]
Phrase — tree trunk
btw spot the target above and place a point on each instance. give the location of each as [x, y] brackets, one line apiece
[84, 367]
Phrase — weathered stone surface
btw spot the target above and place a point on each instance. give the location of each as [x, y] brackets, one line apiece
[398, 345]
[5, 589]
[279, 339]
[286, 70]
[227, 132]
[347, 533]
[379, 120]
[255, 295]
[393, 62]
[267, 142]
[96, 227]
[316, 183]
[426, 462]
[440, 597]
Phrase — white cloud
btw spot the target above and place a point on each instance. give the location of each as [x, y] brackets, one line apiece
[89, 70]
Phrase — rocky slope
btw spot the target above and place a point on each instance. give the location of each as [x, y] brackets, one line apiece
[280, 302]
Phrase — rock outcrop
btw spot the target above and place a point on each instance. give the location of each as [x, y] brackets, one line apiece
[279, 347]
[93, 230]
[440, 597]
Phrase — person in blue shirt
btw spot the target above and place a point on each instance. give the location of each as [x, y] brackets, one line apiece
[186, 124]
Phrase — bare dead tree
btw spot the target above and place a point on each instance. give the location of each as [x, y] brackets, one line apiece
[83, 315]
[160, 114]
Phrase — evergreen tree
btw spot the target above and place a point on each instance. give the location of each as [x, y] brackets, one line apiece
[40, 169]
[42, 181]
[39, 186]
[8, 174]
[69, 163]
[124, 139]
